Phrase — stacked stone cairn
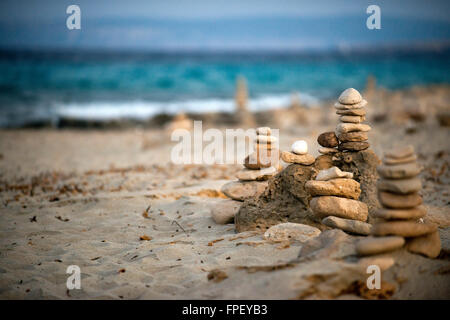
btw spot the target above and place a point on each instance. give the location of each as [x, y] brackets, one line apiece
[400, 218]
[334, 201]
[298, 154]
[351, 132]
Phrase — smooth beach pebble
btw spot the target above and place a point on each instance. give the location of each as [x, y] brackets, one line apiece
[304, 159]
[399, 201]
[348, 225]
[350, 96]
[251, 175]
[347, 188]
[400, 153]
[428, 245]
[400, 186]
[372, 245]
[340, 207]
[266, 139]
[354, 146]
[300, 147]
[243, 190]
[291, 232]
[328, 140]
[395, 214]
[350, 127]
[392, 161]
[333, 173]
[356, 136]
[403, 228]
[400, 171]
[352, 112]
[351, 119]
[224, 211]
[324, 150]
[359, 105]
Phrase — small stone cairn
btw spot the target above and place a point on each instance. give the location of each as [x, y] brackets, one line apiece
[400, 218]
[298, 154]
[260, 165]
[351, 133]
[335, 195]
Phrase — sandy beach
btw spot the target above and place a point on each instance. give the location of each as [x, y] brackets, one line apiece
[140, 227]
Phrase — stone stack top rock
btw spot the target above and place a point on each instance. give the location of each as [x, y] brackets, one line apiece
[402, 212]
[298, 154]
[351, 132]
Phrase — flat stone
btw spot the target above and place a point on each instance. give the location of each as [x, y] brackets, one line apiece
[399, 201]
[351, 127]
[266, 139]
[393, 214]
[262, 159]
[324, 150]
[333, 173]
[403, 228]
[428, 245]
[352, 112]
[393, 161]
[300, 147]
[339, 187]
[340, 207]
[354, 146]
[305, 159]
[243, 190]
[360, 105]
[224, 211]
[400, 171]
[263, 131]
[356, 136]
[350, 96]
[401, 186]
[348, 225]
[252, 175]
[400, 153]
[328, 139]
[352, 119]
[372, 245]
[291, 232]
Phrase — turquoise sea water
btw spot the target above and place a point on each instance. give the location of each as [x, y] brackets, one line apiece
[40, 86]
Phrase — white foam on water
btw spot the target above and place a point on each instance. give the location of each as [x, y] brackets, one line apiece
[146, 109]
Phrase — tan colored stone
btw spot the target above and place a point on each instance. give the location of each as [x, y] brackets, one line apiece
[360, 105]
[340, 207]
[393, 214]
[393, 161]
[403, 186]
[305, 159]
[224, 211]
[399, 201]
[351, 127]
[428, 245]
[356, 136]
[348, 225]
[403, 228]
[352, 119]
[243, 190]
[352, 112]
[399, 171]
[256, 175]
[372, 245]
[347, 188]
[400, 153]
[260, 139]
[350, 96]
[328, 140]
[262, 159]
[354, 146]
[324, 150]
[291, 232]
[333, 173]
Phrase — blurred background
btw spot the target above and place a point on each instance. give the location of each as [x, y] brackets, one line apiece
[136, 59]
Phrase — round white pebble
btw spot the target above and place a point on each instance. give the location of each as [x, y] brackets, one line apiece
[300, 147]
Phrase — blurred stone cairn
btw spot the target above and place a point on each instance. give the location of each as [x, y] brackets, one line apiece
[260, 165]
[400, 220]
[243, 115]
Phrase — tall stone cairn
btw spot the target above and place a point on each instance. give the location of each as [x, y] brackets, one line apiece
[400, 220]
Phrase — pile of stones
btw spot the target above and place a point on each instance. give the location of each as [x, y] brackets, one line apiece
[298, 154]
[335, 200]
[260, 165]
[401, 217]
[351, 132]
